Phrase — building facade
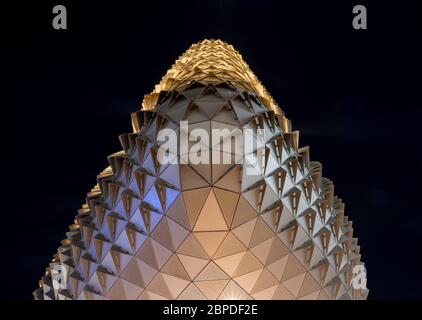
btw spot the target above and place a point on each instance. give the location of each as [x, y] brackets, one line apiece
[264, 225]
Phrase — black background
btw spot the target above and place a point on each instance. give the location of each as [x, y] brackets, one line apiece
[355, 96]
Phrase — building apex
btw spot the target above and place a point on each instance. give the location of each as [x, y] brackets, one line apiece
[210, 61]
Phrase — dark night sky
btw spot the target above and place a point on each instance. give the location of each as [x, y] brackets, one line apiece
[354, 95]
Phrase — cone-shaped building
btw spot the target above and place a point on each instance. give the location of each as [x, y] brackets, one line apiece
[208, 230]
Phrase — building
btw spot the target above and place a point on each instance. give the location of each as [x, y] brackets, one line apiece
[234, 230]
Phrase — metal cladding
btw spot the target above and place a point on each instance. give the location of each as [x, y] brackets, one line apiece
[208, 231]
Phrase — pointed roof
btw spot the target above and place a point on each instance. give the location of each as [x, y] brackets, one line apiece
[210, 61]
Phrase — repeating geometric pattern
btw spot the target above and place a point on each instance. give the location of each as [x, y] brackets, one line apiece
[209, 231]
[210, 60]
